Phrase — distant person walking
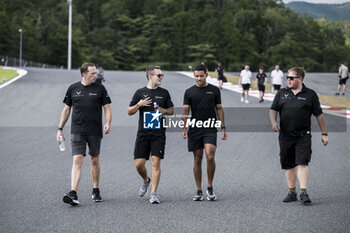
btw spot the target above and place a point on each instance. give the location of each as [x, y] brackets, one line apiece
[261, 79]
[150, 142]
[100, 74]
[343, 76]
[245, 78]
[220, 75]
[204, 101]
[295, 104]
[87, 99]
[277, 79]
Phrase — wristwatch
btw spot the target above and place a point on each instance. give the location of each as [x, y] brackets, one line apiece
[324, 134]
[59, 128]
[223, 127]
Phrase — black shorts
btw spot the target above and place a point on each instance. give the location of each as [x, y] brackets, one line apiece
[79, 142]
[342, 81]
[261, 87]
[246, 87]
[197, 139]
[149, 144]
[294, 152]
[223, 78]
[276, 87]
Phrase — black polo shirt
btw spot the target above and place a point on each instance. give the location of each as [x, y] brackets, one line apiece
[295, 111]
[160, 96]
[203, 101]
[87, 102]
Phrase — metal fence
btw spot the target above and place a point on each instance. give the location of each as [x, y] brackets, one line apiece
[10, 61]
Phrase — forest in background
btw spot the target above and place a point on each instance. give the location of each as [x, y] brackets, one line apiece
[131, 34]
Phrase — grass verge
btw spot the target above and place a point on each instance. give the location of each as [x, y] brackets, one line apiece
[7, 74]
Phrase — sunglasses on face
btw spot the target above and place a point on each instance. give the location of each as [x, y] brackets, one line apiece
[291, 77]
[159, 75]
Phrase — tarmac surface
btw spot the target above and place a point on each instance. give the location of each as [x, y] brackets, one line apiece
[249, 182]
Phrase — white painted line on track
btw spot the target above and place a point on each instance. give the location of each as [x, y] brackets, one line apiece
[267, 96]
[20, 72]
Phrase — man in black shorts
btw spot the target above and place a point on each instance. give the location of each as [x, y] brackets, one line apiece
[261, 79]
[295, 105]
[220, 75]
[149, 140]
[87, 99]
[204, 101]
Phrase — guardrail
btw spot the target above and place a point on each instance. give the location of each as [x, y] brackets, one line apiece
[11, 61]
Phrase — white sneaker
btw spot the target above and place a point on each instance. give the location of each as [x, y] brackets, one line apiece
[154, 199]
[242, 99]
[247, 101]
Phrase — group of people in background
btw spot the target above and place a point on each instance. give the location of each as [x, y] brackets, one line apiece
[276, 81]
[245, 79]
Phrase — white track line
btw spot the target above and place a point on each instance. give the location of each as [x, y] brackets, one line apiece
[19, 71]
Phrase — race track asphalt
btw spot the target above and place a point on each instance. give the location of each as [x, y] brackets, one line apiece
[249, 183]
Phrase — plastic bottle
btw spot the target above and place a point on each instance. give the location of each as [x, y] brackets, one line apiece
[62, 144]
[156, 106]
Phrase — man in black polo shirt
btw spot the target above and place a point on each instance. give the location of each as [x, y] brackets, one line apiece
[295, 105]
[150, 141]
[204, 101]
[87, 99]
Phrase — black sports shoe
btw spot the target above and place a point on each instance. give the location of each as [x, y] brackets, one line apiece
[291, 197]
[71, 198]
[198, 196]
[336, 93]
[210, 194]
[96, 195]
[304, 198]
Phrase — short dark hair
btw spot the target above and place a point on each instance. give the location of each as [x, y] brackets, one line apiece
[201, 67]
[84, 68]
[299, 71]
[150, 70]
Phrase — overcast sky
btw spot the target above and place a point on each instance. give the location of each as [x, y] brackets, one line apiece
[318, 1]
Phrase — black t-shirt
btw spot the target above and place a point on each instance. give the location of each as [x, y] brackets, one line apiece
[220, 71]
[159, 95]
[87, 102]
[295, 111]
[203, 101]
[261, 78]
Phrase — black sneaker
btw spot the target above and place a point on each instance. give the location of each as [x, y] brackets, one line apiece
[291, 197]
[96, 195]
[336, 93]
[304, 198]
[71, 198]
[198, 196]
[210, 194]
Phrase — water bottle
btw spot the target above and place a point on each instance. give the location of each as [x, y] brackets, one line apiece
[156, 106]
[62, 144]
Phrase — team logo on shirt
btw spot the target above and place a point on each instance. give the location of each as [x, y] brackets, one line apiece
[78, 92]
[286, 95]
[151, 120]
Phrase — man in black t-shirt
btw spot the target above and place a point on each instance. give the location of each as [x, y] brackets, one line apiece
[261, 79]
[295, 105]
[150, 140]
[87, 99]
[220, 75]
[204, 101]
